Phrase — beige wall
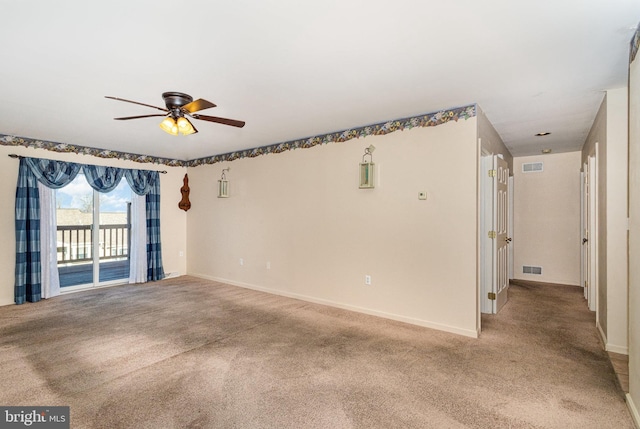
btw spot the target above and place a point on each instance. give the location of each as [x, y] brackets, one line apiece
[547, 218]
[491, 141]
[634, 238]
[173, 220]
[609, 132]
[302, 212]
[617, 267]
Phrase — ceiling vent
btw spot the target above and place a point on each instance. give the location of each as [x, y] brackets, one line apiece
[532, 167]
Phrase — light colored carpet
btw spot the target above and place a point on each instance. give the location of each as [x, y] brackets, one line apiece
[191, 353]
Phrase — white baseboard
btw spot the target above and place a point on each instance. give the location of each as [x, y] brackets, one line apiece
[633, 410]
[371, 312]
[617, 349]
[623, 350]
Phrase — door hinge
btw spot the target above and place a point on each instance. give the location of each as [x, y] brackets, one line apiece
[492, 234]
[492, 296]
[493, 173]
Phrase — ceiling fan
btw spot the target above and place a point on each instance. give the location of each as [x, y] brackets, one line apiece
[179, 106]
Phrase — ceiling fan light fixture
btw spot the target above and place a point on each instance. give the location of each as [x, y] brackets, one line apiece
[169, 126]
[185, 126]
[177, 106]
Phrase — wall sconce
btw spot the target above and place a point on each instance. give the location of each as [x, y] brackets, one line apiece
[223, 185]
[367, 169]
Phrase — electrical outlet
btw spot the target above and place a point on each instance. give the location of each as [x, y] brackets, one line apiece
[367, 280]
[241, 261]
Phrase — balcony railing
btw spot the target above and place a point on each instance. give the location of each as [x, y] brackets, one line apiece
[75, 242]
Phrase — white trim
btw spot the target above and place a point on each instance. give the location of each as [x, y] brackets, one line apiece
[410, 320]
[617, 349]
[611, 347]
[633, 410]
[90, 286]
[603, 337]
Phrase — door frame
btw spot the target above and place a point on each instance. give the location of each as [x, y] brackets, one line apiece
[584, 263]
[510, 227]
[96, 282]
[589, 230]
[593, 232]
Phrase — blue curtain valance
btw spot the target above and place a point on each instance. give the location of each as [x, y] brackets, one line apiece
[57, 174]
[101, 178]
[142, 181]
[53, 174]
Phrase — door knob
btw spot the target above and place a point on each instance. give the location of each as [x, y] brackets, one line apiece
[508, 239]
[584, 241]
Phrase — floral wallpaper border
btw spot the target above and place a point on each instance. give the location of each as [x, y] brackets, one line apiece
[8, 140]
[635, 44]
[426, 120]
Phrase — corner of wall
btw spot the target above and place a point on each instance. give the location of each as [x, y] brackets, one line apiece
[490, 139]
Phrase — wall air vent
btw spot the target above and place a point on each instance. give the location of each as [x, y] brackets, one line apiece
[532, 167]
[531, 270]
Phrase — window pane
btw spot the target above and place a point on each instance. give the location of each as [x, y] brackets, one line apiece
[74, 211]
[115, 215]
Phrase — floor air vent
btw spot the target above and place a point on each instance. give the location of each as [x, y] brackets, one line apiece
[532, 167]
[531, 270]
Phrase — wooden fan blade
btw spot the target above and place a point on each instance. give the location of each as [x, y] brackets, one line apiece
[197, 105]
[135, 102]
[224, 121]
[135, 117]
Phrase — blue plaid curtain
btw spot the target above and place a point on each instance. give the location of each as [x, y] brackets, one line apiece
[56, 174]
[27, 286]
[145, 182]
[154, 248]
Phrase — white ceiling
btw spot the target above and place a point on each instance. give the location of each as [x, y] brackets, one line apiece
[293, 68]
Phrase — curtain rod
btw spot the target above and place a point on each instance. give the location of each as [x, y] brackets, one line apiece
[13, 155]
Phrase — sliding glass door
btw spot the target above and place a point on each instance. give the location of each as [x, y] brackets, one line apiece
[93, 234]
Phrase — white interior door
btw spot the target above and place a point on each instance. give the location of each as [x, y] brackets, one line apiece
[486, 243]
[495, 228]
[501, 241]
